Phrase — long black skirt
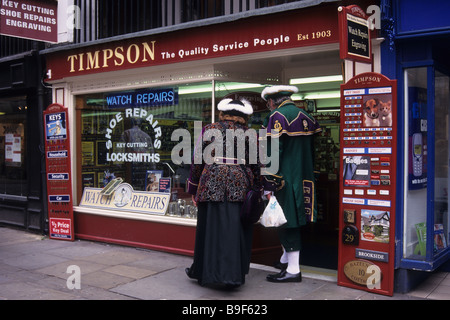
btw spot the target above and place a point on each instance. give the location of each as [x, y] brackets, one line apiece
[222, 245]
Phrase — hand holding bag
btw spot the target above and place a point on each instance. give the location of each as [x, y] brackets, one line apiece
[273, 215]
[273, 183]
[253, 205]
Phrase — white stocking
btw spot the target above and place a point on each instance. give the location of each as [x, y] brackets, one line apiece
[284, 257]
[293, 262]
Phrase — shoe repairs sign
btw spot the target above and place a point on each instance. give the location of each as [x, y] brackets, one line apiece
[35, 20]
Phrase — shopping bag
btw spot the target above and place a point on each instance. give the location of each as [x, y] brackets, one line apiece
[252, 208]
[273, 215]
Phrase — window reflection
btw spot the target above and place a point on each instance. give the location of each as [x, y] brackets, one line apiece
[133, 141]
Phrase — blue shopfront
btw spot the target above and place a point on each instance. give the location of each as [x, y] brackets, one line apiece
[416, 52]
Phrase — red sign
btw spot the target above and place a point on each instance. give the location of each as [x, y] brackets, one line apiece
[368, 180]
[60, 228]
[59, 176]
[354, 34]
[306, 27]
[36, 20]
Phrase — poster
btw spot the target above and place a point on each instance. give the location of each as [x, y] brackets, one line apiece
[356, 171]
[417, 132]
[375, 225]
[55, 126]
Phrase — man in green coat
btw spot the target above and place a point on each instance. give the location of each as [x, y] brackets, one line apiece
[295, 130]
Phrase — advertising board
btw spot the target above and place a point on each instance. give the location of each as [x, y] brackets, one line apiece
[59, 175]
[368, 181]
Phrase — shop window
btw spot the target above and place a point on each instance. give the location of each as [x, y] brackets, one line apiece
[13, 169]
[426, 224]
[241, 90]
[442, 105]
[128, 134]
[416, 193]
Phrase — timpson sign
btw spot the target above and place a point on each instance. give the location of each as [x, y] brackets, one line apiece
[305, 27]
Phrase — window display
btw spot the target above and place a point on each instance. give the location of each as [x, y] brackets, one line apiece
[128, 135]
[420, 220]
[416, 193]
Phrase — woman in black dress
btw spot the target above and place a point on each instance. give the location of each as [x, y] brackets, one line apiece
[219, 185]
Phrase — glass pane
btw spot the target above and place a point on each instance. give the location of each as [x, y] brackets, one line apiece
[13, 173]
[415, 212]
[442, 105]
[241, 90]
[126, 134]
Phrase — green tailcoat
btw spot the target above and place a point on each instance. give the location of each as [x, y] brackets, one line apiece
[295, 129]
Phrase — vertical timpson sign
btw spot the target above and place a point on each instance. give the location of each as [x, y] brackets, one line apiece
[35, 20]
[305, 27]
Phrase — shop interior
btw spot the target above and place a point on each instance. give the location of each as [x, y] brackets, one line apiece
[13, 124]
[317, 75]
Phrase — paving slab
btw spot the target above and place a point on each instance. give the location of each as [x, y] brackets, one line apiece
[33, 267]
[28, 291]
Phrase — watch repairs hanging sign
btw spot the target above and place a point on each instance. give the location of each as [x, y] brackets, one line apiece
[354, 34]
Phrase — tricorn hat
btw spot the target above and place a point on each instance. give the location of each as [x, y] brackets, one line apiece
[242, 106]
[277, 91]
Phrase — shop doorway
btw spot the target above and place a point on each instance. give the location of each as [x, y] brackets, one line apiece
[318, 78]
[320, 239]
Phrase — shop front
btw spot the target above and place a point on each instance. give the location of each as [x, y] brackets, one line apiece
[22, 98]
[417, 55]
[135, 106]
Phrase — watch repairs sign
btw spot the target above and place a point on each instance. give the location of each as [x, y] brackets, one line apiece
[354, 34]
[124, 198]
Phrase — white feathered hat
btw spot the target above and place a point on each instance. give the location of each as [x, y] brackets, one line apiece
[278, 90]
[241, 105]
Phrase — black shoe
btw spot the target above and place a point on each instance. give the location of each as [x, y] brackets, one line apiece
[284, 276]
[188, 272]
[280, 265]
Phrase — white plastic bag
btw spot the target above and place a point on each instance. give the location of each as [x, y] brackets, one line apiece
[273, 215]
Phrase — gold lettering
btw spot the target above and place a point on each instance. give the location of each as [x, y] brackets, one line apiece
[129, 53]
[119, 56]
[92, 60]
[151, 52]
[72, 58]
[81, 62]
[107, 54]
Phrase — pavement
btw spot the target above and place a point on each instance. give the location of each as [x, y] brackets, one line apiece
[34, 267]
